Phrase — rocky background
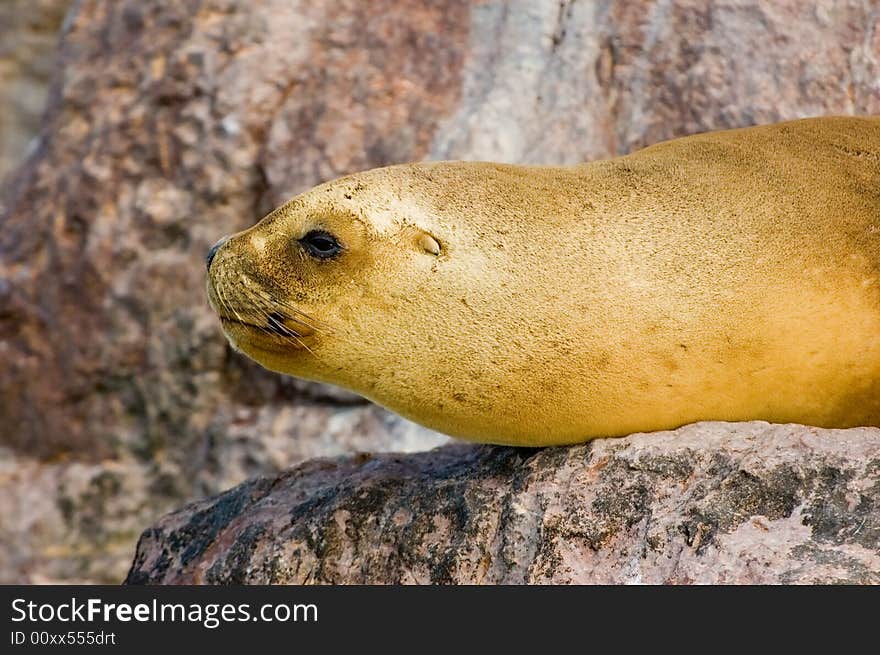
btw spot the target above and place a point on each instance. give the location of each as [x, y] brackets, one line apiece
[171, 123]
[28, 36]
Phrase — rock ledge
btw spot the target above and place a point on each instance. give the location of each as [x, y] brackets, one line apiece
[708, 503]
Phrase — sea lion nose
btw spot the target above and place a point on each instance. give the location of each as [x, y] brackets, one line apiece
[213, 251]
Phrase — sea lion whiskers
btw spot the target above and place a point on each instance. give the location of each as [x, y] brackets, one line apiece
[275, 319]
[337, 332]
[277, 328]
[314, 324]
[297, 314]
[300, 316]
[274, 325]
[252, 308]
[225, 302]
[250, 305]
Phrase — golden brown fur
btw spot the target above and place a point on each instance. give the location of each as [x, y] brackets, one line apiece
[730, 276]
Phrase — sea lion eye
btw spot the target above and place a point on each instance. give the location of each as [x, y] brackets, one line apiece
[320, 244]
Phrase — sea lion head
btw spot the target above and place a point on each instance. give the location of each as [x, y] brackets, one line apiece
[327, 286]
[414, 286]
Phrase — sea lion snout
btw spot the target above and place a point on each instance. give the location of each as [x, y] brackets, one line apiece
[213, 251]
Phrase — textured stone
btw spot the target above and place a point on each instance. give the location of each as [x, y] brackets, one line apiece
[28, 37]
[708, 503]
[172, 123]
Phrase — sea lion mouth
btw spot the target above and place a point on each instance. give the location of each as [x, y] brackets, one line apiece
[275, 323]
[258, 315]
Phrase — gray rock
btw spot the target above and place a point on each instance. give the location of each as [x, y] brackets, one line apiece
[708, 503]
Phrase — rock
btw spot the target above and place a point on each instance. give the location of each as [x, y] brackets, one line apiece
[78, 521]
[172, 123]
[707, 503]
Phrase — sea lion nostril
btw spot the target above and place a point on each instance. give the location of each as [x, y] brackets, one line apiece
[213, 251]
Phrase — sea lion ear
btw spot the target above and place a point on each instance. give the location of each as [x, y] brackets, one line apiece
[428, 243]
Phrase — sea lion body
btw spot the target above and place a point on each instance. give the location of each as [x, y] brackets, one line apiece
[729, 276]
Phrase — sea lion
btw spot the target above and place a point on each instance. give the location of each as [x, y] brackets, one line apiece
[731, 275]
